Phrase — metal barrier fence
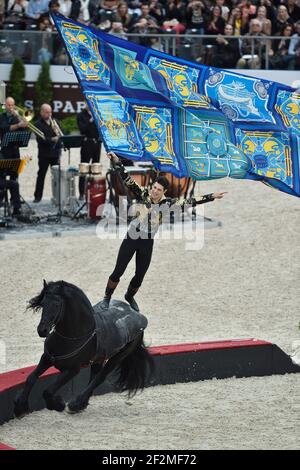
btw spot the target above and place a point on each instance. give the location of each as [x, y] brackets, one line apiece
[34, 47]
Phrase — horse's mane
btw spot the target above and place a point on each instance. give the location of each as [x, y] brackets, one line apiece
[36, 302]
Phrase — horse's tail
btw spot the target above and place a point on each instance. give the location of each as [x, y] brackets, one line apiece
[136, 369]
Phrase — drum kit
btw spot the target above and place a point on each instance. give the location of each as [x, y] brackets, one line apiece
[95, 189]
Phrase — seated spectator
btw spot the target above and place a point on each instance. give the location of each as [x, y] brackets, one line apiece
[252, 49]
[215, 23]
[36, 8]
[145, 13]
[293, 10]
[156, 44]
[157, 11]
[282, 19]
[174, 21]
[248, 8]
[266, 25]
[44, 54]
[238, 23]
[224, 8]
[134, 7]
[141, 29]
[297, 56]
[271, 11]
[65, 7]
[226, 51]
[279, 54]
[117, 30]
[15, 13]
[195, 17]
[295, 39]
[83, 13]
[123, 16]
[104, 15]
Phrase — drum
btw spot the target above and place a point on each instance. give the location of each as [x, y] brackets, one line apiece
[96, 168]
[95, 196]
[84, 168]
[177, 186]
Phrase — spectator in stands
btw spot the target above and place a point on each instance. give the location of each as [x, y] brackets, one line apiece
[224, 8]
[282, 18]
[103, 16]
[248, 9]
[215, 23]
[252, 49]
[271, 11]
[145, 13]
[134, 7]
[175, 18]
[238, 23]
[140, 29]
[84, 13]
[157, 11]
[54, 7]
[117, 30]
[65, 7]
[156, 44]
[266, 25]
[293, 10]
[226, 51]
[294, 44]
[123, 16]
[195, 17]
[279, 54]
[36, 8]
[15, 13]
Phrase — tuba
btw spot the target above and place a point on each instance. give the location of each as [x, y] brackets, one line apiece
[26, 115]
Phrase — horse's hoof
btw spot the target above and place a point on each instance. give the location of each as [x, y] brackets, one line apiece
[55, 402]
[76, 407]
[21, 410]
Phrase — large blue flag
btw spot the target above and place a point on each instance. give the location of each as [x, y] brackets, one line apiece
[187, 118]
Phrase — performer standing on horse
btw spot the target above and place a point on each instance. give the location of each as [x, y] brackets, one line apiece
[140, 236]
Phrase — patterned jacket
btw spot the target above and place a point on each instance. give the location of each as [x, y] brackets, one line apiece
[148, 215]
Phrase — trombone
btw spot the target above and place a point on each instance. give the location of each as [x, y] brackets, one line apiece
[26, 115]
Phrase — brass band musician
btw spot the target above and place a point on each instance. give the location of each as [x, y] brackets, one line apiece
[48, 151]
[10, 122]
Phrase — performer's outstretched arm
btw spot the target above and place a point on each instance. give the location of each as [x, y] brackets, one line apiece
[203, 199]
[129, 182]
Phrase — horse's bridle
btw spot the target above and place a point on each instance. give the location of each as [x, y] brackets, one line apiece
[53, 330]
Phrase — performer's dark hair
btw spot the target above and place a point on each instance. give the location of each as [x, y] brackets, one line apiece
[163, 181]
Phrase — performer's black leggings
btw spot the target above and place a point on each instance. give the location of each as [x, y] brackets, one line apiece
[143, 249]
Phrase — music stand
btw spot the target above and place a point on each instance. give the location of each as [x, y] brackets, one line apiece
[70, 141]
[20, 138]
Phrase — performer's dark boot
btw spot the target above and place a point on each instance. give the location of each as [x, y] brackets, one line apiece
[111, 285]
[131, 291]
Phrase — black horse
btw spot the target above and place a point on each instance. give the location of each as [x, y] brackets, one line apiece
[78, 335]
